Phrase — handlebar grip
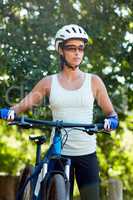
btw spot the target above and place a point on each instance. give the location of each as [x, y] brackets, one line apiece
[100, 126]
[17, 119]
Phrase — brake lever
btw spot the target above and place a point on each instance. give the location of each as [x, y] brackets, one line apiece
[106, 132]
[22, 123]
[94, 130]
[91, 131]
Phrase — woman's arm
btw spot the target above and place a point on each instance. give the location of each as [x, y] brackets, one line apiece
[103, 100]
[40, 90]
[101, 96]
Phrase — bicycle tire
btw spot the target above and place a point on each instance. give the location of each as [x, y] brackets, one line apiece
[27, 193]
[56, 189]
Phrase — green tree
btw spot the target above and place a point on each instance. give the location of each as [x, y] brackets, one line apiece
[27, 30]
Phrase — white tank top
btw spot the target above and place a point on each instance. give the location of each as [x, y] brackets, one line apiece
[74, 106]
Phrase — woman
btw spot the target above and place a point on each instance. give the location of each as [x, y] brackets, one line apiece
[72, 93]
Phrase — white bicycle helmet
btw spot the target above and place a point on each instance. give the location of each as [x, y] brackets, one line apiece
[70, 32]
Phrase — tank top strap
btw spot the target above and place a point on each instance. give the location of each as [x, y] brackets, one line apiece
[87, 82]
[54, 83]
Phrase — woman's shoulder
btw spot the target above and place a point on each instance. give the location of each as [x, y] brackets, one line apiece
[47, 79]
[97, 83]
[96, 79]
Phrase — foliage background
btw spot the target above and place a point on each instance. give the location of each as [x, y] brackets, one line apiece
[27, 30]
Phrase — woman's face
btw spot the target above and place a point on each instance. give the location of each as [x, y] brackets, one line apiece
[73, 51]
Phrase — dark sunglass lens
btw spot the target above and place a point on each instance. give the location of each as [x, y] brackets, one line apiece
[74, 48]
[81, 48]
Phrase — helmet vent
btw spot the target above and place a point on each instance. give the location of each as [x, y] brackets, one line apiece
[80, 30]
[62, 35]
[68, 31]
[74, 29]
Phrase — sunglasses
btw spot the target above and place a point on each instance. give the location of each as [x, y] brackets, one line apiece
[73, 49]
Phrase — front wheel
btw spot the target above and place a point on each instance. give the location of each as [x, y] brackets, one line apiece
[56, 189]
[27, 193]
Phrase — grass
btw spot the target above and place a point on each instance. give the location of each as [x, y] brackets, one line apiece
[76, 192]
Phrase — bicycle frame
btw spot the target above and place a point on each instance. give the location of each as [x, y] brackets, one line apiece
[42, 169]
[54, 152]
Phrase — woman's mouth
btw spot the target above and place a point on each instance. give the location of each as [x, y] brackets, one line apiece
[77, 59]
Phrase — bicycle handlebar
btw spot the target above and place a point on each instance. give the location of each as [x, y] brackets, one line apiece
[32, 123]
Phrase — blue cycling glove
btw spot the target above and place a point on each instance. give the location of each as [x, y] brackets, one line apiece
[6, 113]
[111, 122]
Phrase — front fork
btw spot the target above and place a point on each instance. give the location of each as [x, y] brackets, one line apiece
[67, 173]
[43, 173]
[40, 178]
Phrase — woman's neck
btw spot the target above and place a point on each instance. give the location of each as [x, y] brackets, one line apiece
[71, 74]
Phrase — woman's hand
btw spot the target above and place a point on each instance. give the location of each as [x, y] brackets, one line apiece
[111, 122]
[7, 114]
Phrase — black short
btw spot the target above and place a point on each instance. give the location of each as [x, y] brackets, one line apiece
[85, 168]
[86, 171]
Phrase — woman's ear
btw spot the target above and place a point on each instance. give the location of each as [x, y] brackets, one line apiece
[60, 51]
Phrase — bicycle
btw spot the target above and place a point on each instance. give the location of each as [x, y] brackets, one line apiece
[43, 181]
